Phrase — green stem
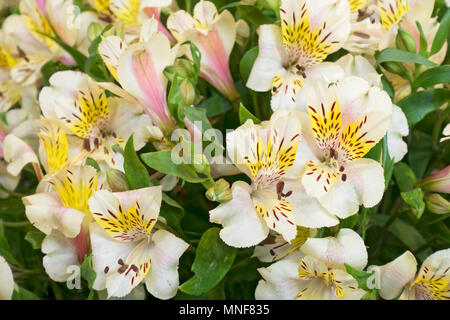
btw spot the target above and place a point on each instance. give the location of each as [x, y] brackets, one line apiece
[12, 193]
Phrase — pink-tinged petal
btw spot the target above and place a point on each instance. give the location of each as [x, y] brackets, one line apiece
[152, 12]
[140, 73]
[18, 154]
[162, 280]
[215, 48]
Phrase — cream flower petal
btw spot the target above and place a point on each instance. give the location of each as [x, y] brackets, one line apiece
[242, 225]
[162, 280]
[347, 247]
[394, 275]
[135, 266]
[398, 129]
[110, 49]
[106, 253]
[367, 177]
[270, 60]
[60, 254]
[307, 210]
[6, 280]
[281, 281]
[46, 212]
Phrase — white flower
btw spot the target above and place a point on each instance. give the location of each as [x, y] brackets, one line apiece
[320, 274]
[275, 199]
[81, 106]
[398, 277]
[6, 280]
[290, 58]
[127, 250]
[214, 34]
[345, 121]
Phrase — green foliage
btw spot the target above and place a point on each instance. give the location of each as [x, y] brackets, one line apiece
[213, 259]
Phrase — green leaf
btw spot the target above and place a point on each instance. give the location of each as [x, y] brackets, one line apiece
[244, 115]
[247, 61]
[35, 238]
[361, 276]
[87, 271]
[414, 198]
[396, 55]
[23, 294]
[162, 161]
[441, 34]
[407, 234]
[5, 249]
[212, 261]
[215, 105]
[388, 163]
[405, 177]
[93, 48]
[417, 105]
[249, 13]
[135, 172]
[431, 77]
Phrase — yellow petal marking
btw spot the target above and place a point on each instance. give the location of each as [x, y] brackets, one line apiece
[75, 185]
[302, 42]
[390, 14]
[125, 225]
[54, 140]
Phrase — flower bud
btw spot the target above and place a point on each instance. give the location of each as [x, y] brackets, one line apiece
[187, 92]
[154, 133]
[94, 30]
[242, 32]
[221, 191]
[201, 164]
[393, 67]
[116, 180]
[405, 40]
[437, 204]
[439, 181]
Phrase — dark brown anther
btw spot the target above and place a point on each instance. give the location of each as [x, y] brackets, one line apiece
[341, 169]
[120, 261]
[287, 194]
[106, 270]
[122, 269]
[280, 187]
[87, 144]
[333, 153]
[344, 177]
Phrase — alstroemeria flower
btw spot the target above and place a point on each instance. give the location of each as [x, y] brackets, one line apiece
[398, 277]
[275, 199]
[139, 70]
[6, 280]
[343, 123]
[27, 49]
[360, 67]
[439, 181]
[214, 34]
[290, 58]
[81, 106]
[320, 274]
[63, 215]
[126, 247]
[132, 13]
